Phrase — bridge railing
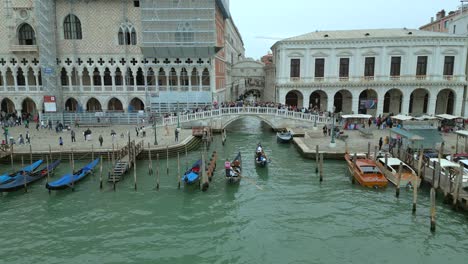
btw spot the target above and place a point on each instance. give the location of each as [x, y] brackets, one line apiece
[265, 111]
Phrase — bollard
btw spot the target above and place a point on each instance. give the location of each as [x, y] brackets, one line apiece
[178, 170]
[433, 210]
[400, 169]
[317, 159]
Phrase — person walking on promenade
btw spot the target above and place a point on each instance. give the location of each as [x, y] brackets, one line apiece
[21, 139]
[101, 140]
[176, 135]
[37, 126]
[49, 124]
[137, 131]
[113, 136]
[73, 139]
[60, 141]
[324, 130]
[380, 143]
[28, 137]
[369, 122]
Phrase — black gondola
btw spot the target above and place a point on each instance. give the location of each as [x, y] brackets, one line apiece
[234, 174]
[20, 181]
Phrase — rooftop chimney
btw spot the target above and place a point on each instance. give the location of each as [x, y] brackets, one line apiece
[432, 19]
[442, 13]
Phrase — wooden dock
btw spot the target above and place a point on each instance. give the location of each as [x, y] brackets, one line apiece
[442, 183]
[123, 160]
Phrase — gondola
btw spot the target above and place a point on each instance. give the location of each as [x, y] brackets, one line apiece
[260, 157]
[69, 179]
[5, 178]
[19, 181]
[284, 137]
[193, 174]
[233, 175]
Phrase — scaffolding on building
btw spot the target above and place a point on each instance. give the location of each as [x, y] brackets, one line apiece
[45, 15]
[179, 28]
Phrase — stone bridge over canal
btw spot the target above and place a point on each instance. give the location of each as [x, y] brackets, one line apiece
[219, 119]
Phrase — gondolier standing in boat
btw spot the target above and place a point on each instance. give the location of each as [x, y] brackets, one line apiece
[227, 166]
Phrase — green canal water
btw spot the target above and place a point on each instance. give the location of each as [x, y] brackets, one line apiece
[280, 214]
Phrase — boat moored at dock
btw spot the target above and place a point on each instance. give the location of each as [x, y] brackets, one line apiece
[365, 172]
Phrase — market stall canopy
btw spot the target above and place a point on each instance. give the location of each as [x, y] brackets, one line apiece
[402, 117]
[425, 117]
[420, 137]
[462, 133]
[356, 116]
[448, 117]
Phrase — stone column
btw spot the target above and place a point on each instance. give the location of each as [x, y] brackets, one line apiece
[15, 78]
[457, 108]
[306, 99]
[431, 108]
[26, 81]
[200, 78]
[91, 80]
[4, 79]
[80, 77]
[405, 104]
[380, 102]
[178, 81]
[113, 80]
[189, 82]
[355, 103]
[36, 77]
[70, 84]
[168, 74]
[330, 101]
[101, 74]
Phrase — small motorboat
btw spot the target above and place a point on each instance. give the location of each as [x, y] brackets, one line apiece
[69, 180]
[233, 175]
[392, 166]
[20, 181]
[366, 172]
[193, 174]
[450, 169]
[284, 137]
[5, 178]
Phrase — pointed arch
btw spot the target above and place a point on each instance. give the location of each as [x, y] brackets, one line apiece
[96, 77]
[26, 35]
[72, 27]
[20, 80]
[86, 77]
[115, 105]
[28, 106]
[71, 105]
[7, 105]
[93, 105]
[140, 77]
[206, 77]
[107, 77]
[136, 105]
[64, 77]
[162, 78]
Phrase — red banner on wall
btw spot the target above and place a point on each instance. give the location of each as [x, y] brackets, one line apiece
[50, 104]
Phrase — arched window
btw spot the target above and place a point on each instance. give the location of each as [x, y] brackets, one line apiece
[127, 35]
[72, 27]
[26, 35]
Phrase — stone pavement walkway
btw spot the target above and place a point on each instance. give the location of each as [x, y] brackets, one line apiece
[40, 140]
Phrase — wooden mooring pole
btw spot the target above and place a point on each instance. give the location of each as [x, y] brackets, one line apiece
[48, 172]
[167, 162]
[433, 209]
[100, 173]
[400, 169]
[178, 170]
[11, 159]
[458, 184]
[321, 167]
[30, 154]
[368, 149]
[24, 174]
[73, 170]
[158, 165]
[150, 162]
[317, 159]
[415, 192]
[92, 152]
[134, 166]
[376, 149]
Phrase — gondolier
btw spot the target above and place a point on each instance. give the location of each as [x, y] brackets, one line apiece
[227, 166]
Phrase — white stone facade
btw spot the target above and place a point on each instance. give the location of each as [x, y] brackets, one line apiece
[96, 66]
[433, 91]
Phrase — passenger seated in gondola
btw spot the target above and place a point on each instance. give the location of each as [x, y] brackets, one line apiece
[259, 148]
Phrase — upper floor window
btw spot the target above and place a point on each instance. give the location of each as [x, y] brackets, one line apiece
[295, 68]
[421, 67]
[446, 24]
[369, 67]
[26, 35]
[395, 67]
[448, 65]
[127, 35]
[72, 27]
[319, 68]
[344, 67]
[136, 3]
[184, 33]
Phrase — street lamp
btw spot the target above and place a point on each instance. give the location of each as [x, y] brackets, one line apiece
[332, 142]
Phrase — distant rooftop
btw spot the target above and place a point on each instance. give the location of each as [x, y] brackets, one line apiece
[368, 33]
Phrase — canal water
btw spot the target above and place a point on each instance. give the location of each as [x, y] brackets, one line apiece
[280, 214]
